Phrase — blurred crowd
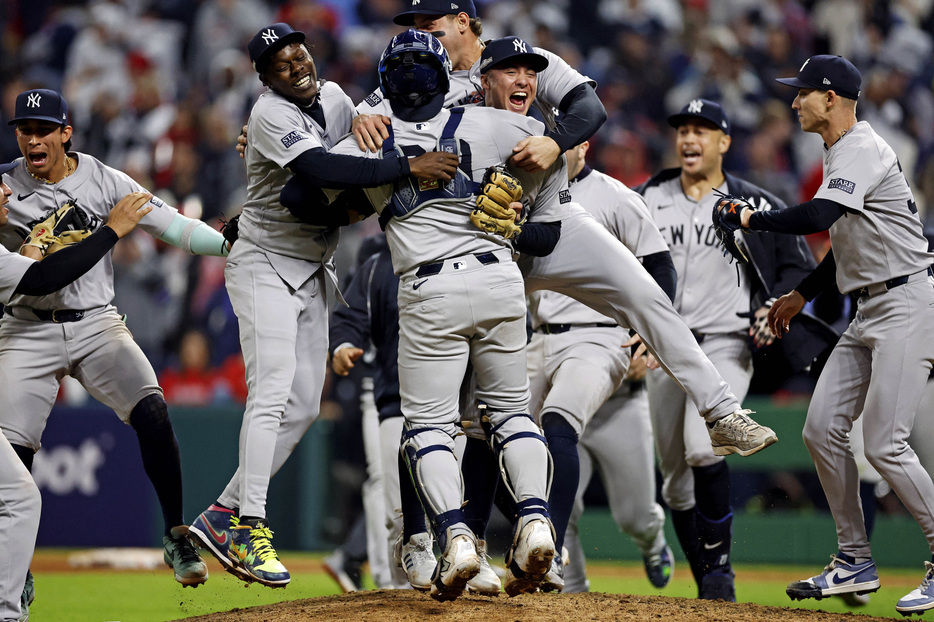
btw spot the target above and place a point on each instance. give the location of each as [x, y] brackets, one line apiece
[161, 88]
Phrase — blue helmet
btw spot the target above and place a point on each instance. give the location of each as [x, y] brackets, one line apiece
[414, 69]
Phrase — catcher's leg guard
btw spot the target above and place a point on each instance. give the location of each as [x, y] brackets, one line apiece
[432, 466]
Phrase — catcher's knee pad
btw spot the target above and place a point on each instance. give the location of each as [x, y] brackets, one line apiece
[417, 444]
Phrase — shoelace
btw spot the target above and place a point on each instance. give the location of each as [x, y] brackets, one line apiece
[260, 538]
[928, 576]
[187, 552]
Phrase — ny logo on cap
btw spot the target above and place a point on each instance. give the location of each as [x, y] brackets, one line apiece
[269, 36]
[33, 100]
[519, 44]
[695, 106]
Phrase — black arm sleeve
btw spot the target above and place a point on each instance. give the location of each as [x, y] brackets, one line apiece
[61, 268]
[662, 269]
[310, 205]
[802, 219]
[538, 238]
[582, 114]
[331, 170]
[820, 278]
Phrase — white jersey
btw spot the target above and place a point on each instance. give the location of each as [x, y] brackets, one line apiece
[880, 237]
[12, 268]
[440, 228]
[624, 214]
[707, 296]
[279, 132]
[96, 188]
[554, 82]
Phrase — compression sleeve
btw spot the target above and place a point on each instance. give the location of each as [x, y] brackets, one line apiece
[538, 238]
[582, 114]
[59, 269]
[194, 236]
[333, 170]
[820, 278]
[802, 219]
[662, 269]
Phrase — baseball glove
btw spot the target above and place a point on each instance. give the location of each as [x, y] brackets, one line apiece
[726, 220]
[493, 213]
[230, 229]
[65, 226]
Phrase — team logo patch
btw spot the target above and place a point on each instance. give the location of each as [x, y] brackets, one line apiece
[291, 138]
[428, 184]
[564, 196]
[842, 184]
[156, 201]
[373, 99]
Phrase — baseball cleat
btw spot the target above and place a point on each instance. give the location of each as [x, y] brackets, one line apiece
[27, 597]
[418, 561]
[183, 559]
[718, 586]
[840, 576]
[530, 557]
[251, 546]
[341, 570]
[921, 598]
[486, 582]
[211, 531]
[660, 566]
[737, 433]
[458, 564]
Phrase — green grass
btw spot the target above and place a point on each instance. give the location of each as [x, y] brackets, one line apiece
[152, 596]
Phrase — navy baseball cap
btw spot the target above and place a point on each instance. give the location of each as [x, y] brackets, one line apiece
[702, 109]
[510, 48]
[827, 73]
[435, 7]
[6, 168]
[41, 105]
[269, 40]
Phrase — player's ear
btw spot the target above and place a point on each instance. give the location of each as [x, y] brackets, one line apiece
[725, 141]
[66, 133]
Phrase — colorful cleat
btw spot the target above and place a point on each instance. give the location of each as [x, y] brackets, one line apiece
[921, 598]
[183, 559]
[840, 576]
[211, 531]
[251, 546]
[737, 433]
[659, 567]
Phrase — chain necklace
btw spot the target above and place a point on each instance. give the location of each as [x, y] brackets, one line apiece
[70, 166]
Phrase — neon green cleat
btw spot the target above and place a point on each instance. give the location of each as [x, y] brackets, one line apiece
[251, 547]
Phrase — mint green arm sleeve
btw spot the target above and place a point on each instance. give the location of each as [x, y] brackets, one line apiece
[195, 237]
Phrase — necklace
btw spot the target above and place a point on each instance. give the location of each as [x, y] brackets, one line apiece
[70, 166]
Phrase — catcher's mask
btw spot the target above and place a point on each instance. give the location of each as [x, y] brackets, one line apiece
[414, 73]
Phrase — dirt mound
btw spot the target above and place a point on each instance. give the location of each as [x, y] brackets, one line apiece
[410, 606]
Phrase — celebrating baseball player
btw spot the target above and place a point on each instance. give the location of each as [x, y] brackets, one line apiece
[576, 362]
[77, 331]
[19, 497]
[696, 480]
[276, 278]
[879, 368]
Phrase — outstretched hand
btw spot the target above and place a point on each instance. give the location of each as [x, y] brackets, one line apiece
[783, 310]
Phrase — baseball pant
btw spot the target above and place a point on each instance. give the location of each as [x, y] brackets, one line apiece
[374, 505]
[284, 338]
[878, 372]
[681, 437]
[593, 267]
[20, 504]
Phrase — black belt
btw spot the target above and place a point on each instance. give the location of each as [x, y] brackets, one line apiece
[430, 269]
[865, 292]
[59, 316]
[557, 329]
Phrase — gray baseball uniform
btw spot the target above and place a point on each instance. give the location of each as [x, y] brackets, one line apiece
[35, 355]
[681, 437]
[20, 500]
[879, 368]
[574, 372]
[276, 276]
[461, 299]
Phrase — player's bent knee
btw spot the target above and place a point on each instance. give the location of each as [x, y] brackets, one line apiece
[151, 414]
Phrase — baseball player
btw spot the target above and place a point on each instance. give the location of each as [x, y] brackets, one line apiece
[77, 331]
[19, 497]
[460, 296]
[276, 279]
[696, 480]
[576, 363]
[878, 369]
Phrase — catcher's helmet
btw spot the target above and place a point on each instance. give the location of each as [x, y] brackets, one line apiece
[414, 68]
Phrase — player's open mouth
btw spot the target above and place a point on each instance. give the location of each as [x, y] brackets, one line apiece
[690, 157]
[38, 159]
[518, 99]
[302, 82]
